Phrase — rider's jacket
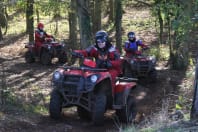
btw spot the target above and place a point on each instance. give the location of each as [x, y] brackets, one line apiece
[109, 54]
[131, 48]
[40, 36]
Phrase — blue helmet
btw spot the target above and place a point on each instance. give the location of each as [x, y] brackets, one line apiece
[131, 36]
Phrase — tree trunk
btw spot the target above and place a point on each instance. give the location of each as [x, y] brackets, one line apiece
[111, 10]
[84, 23]
[118, 24]
[161, 26]
[30, 20]
[37, 15]
[1, 35]
[73, 25]
[92, 14]
[97, 16]
[1, 16]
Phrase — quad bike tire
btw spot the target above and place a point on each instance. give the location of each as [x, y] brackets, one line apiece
[55, 106]
[99, 109]
[62, 58]
[29, 58]
[83, 113]
[128, 113]
[46, 58]
[153, 76]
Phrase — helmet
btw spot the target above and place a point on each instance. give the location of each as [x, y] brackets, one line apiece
[40, 26]
[131, 36]
[101, 38]
[103, 35]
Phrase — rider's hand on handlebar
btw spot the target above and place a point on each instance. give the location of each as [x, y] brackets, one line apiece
[77, 54]
[105, 64]
[108, 64]
[145, 48]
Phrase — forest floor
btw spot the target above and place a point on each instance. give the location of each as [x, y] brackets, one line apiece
[29, 87]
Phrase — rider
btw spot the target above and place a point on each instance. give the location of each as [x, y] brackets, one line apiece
[105, 54]
[131, 46]
[41, 35]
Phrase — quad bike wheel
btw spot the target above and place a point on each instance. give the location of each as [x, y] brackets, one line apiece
[29, 58]
[153, 76]
[45, 58]
[62, 58]
[99, 109]
[83, 113]
[127, 113]
[55, 105]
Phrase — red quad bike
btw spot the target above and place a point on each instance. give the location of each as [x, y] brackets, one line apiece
[48, 50]
[92, 91]
[140, 66]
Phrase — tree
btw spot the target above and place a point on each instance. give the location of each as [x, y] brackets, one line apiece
[111, 10]
[97, 15]
[118, 23]
[84, 23]
[73, 25]
[3, 20]
[30, 19]
[176, 16]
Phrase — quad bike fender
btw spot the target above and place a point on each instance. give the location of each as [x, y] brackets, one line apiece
[124, 86]
[121, 93]
[30, 46]
[104, 86]
[104, 76]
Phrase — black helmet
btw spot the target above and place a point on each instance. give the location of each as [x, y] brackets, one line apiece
[102, 35]
[131, 36]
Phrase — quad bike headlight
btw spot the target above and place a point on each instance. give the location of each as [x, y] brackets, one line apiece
[56, 75]
[153, 59]
[63, 44]
[132, 61]
[93, 78]
[49, 47]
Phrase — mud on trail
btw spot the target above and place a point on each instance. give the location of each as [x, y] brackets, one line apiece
[30, 85]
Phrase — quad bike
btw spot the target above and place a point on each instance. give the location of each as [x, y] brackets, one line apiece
[140, 66]
[92, 91]
[48, 50]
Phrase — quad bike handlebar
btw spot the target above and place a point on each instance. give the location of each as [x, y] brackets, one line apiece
[77, 54]
[87, 62]
[126, 79]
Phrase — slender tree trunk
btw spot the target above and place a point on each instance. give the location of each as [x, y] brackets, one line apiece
[161, 26]
[1, 16]
[92, 14]
[84, 23]
[97, 16]
[73, 25]
[118, 24]
[37, 15]
[111, 10]
[30, 19]
[1, 35]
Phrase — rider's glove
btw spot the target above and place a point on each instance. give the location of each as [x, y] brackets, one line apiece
[145, 48]
[77, 54]
[105, 64]
[108, 64]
